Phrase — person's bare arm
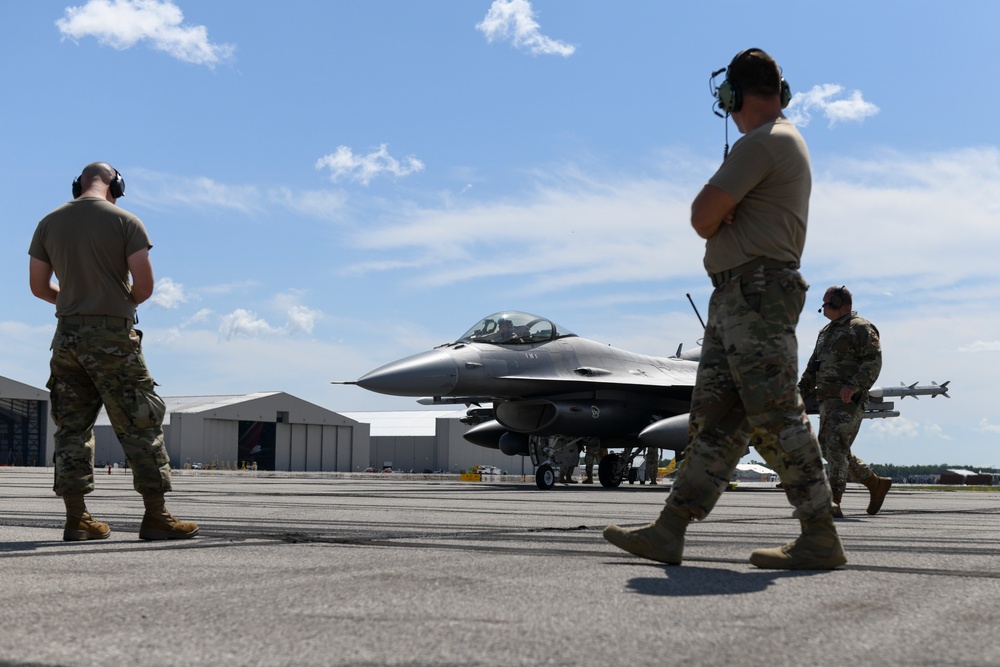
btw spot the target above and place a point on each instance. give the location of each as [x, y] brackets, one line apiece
[40, 280]
[141, 268]
[711, 208]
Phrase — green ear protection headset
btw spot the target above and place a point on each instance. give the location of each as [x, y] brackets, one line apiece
[730, 96]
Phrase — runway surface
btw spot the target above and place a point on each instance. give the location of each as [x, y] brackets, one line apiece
[313, 569]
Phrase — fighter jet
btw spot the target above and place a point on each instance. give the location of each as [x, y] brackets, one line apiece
[552, 392]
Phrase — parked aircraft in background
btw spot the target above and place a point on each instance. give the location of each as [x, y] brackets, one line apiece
[552, 392]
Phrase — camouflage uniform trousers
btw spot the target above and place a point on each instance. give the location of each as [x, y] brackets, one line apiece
[97, 364]
[593, 455]
[746, 391]
[652, 463]
[839, 423]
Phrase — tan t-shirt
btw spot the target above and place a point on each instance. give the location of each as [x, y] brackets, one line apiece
[768, 173]
[87, 242]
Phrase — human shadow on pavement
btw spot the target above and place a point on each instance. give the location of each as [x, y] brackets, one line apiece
[32, 545]
[690, 581]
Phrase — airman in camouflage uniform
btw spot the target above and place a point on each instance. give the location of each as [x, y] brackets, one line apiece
[752, 214]
[841, 370]
[93, 247]
[652, 464]
[593, 455]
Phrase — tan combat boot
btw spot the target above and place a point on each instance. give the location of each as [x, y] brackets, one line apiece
[878, 487]
[80, 526]
[837, 512]
[588, 476]
[817, 548]
[662, 540]
[159, 524]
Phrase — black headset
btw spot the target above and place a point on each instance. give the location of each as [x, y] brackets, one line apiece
[116, 187]
[730, 95]
[838, 297]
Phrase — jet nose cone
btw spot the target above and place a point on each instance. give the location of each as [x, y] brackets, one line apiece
[426, 374]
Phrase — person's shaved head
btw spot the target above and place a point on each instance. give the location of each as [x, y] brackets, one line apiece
[97, 170]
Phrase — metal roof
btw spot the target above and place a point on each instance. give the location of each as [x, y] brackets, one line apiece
[193, 404]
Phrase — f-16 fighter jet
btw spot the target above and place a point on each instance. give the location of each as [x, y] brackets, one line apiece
[552, 392]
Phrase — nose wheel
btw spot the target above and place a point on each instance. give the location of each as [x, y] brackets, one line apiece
[545, 477]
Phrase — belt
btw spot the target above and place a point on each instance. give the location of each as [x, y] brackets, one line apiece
[753, 264]
[105, 321]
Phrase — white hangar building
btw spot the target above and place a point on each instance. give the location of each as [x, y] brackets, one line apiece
[431, 440]
[274, 430]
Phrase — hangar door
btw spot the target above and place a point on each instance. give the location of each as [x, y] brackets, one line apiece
[257, 444]
[314, 448]
[22, 432]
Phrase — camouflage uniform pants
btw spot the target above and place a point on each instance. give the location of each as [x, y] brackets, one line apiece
[593, 454]
[839, 423]
[100, 363]
[746, 391]
[652, 463]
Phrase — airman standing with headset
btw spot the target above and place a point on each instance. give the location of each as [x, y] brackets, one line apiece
[93, 247]
[753, 214]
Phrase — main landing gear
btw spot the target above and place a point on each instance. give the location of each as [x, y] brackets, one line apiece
[545, 477]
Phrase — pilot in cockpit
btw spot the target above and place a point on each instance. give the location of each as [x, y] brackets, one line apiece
[506, 330]
[508, 333]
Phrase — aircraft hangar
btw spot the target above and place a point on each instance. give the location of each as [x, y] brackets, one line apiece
[26, 429]
[431, 440]
[269, 430]
[272, 430]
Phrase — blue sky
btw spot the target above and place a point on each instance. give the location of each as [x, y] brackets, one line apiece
[330, 186]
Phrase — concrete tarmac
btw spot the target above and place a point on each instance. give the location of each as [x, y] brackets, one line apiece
[315, 569]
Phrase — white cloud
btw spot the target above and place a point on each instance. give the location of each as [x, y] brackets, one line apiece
[986, 427]
[201, 316]
[896, 427]
[935, 431]
[618, 231]
[320, 204]
[364, 168]
[514, 20]
[25, 354]
[933, 211]
[981, 346]
[538, 242]
[122, 24]
[168, 294]
[828, 99]
[244, 324]
[163, 190]
[302, 319]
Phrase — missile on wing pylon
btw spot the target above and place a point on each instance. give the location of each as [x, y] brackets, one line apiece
[904, 390]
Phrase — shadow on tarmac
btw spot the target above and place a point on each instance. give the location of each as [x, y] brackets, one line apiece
[690, 581]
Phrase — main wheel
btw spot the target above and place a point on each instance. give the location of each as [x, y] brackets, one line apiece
[545, 477]
[609, 471]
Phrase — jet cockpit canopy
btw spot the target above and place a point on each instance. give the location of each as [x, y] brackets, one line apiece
[513, 327]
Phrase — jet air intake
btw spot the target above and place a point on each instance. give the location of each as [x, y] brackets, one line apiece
[577, 417]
